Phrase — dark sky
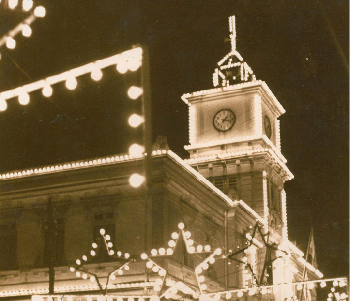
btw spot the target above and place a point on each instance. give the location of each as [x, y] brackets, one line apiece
[300, 50]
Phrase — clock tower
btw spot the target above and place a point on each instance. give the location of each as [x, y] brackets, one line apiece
[234, 138]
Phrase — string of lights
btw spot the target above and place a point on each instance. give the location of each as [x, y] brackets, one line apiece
[23, 27]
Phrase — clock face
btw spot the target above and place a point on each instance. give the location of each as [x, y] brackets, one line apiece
[267, 127]
[224, 120]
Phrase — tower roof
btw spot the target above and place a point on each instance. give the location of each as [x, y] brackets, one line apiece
[232, 69]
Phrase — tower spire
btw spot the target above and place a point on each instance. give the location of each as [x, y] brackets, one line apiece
[232, 25]
[232, 69]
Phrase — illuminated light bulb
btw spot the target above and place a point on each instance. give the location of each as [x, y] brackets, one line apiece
[71, 83]
[94, 245]
[174, 235]
[126, 268]
[136, 180]
[191, 250]
[173, 290]
[323, 284]
[40, 11]
[27, 5]
[156, 288]
[77, 274]
[84, 276]
[201, 278]
[239, 294]
[126, 255]
[187, 234]
[343, 296]
[78, 262]
[92, 278]
[190, 242]
[342, 283]
[102, 231]
[120, 272]
[251, 292]
[108, 237]
[203, 287]
[264, 290]
[207, 248]
[162, 272]
[167, 295]
[111, 252]
[333, 289]
[136, 150]
[130, 299]
[218, 251]
[154, 252]
[211, 260]
[110, 245]
[134, 64]
[144, 256]
[244, 259]
[96, 74]
[149, 264]
[216, 297]
[134, 92]
[122, 67]
[93, 253]
[72, 269]
[205, 266]
[181, 226]
[228, 295]
[26, 30]
[10, 43]
[161, 251]
[47, 90]
[198, 270]
[335, 283]
[3, 104]
[155, 269]
[171, 243]
[119, 299]
[113, 277]
[199, 248]
[84, 257]
[169, 251]
[299, 287]
[154, 298]
[135, 120]
[12, 3]
[310, 285]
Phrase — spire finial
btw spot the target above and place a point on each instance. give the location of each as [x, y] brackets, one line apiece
[232, 24]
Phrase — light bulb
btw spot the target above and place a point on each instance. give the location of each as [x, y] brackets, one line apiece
[23, 98]
[122, 67]
[102, 231]
[3, 104]
[154, 252]
[47, 90]
[72, 269]
[10, 43]
[136, 150]
[216, 297]
[239, 294]
[92, 278]
[228, 295]
[199, 248]
[149, 264]
[135, 120]
[126, 255]
[174, 235]
[134, 64]
[71, 83]
[201, 278]
[84, 276]
[136, 180]
[161, 251]
[78, 262]
[127, 268]
[203, 287]
[134, 92]
[162, 272]
[111, 252]
[144, 256]
[77, 274]
[155, 268]
[93, 253]
[94, 245]
[40, 11]
[27, 5]
[171, 243]
[108, 237]
[84, 257]
[12, 3]
[207, 248]
[169, 251]
[26, 30]
[109, 245]
[113, 277]
[181, 226]
[96, 74]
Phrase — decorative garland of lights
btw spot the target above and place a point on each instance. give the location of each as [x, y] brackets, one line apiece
[24, 27]
[127, 60]
[124, 259]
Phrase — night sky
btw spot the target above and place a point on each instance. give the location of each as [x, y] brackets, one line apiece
[300, 50]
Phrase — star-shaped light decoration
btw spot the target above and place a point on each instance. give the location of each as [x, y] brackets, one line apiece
[122, 259]
[253, 242]
[167, 287]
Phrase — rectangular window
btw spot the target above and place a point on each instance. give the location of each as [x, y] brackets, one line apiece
[57, 251]
[8, 246]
